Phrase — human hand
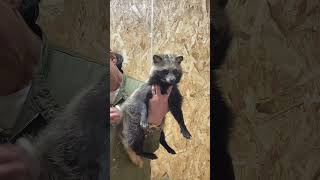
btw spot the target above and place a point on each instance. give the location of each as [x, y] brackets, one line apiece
[158, 106]
[16, 163]
[115, 115]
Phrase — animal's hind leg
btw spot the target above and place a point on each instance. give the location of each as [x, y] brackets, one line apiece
[137, 145]
[164, 143]
[132, 155]
[138, 148]
[137, 160]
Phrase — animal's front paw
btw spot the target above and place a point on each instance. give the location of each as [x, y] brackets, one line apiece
[143, 124]
[186, 133]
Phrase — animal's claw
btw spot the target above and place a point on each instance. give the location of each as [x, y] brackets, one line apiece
[186, 134]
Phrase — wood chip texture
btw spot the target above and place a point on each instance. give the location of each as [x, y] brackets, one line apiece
[271, 81]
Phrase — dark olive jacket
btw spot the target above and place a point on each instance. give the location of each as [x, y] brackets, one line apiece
[58, 76]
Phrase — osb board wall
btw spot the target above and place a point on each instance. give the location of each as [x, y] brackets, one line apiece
[180, 27]
[80, 25]
[271, 81]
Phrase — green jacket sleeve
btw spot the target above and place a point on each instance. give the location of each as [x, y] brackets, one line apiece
[151, 142]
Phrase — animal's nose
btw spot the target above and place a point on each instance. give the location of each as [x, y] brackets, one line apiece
[171, 81]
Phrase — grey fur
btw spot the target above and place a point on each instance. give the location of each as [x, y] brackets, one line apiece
[73, 146]
[134, 115]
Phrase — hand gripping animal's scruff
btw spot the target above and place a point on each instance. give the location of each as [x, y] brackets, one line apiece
[166, 71]
[73, 146]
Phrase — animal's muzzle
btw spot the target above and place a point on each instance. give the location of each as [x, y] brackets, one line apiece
[171, 79]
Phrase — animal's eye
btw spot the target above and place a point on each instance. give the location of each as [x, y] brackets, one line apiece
[175, 71]
[165, 71]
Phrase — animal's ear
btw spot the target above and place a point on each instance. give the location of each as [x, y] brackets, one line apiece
[179, 59]
[157, 59]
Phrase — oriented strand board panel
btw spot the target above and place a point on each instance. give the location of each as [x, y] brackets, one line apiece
[271, 81]
[180, 27]
[80, 25]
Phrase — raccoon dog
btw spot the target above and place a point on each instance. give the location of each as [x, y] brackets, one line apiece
[166, 71]
[73, 146]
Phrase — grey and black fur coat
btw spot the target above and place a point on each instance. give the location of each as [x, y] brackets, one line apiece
[73, 146]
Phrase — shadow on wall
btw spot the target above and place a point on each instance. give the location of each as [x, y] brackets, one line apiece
[221, 119]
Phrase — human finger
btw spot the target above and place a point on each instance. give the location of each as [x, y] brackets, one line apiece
[8, 153]
[169, 90]
[14, 170]
[158, 91]
[153, 90]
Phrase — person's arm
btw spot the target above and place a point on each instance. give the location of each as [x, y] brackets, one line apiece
[158, 108]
